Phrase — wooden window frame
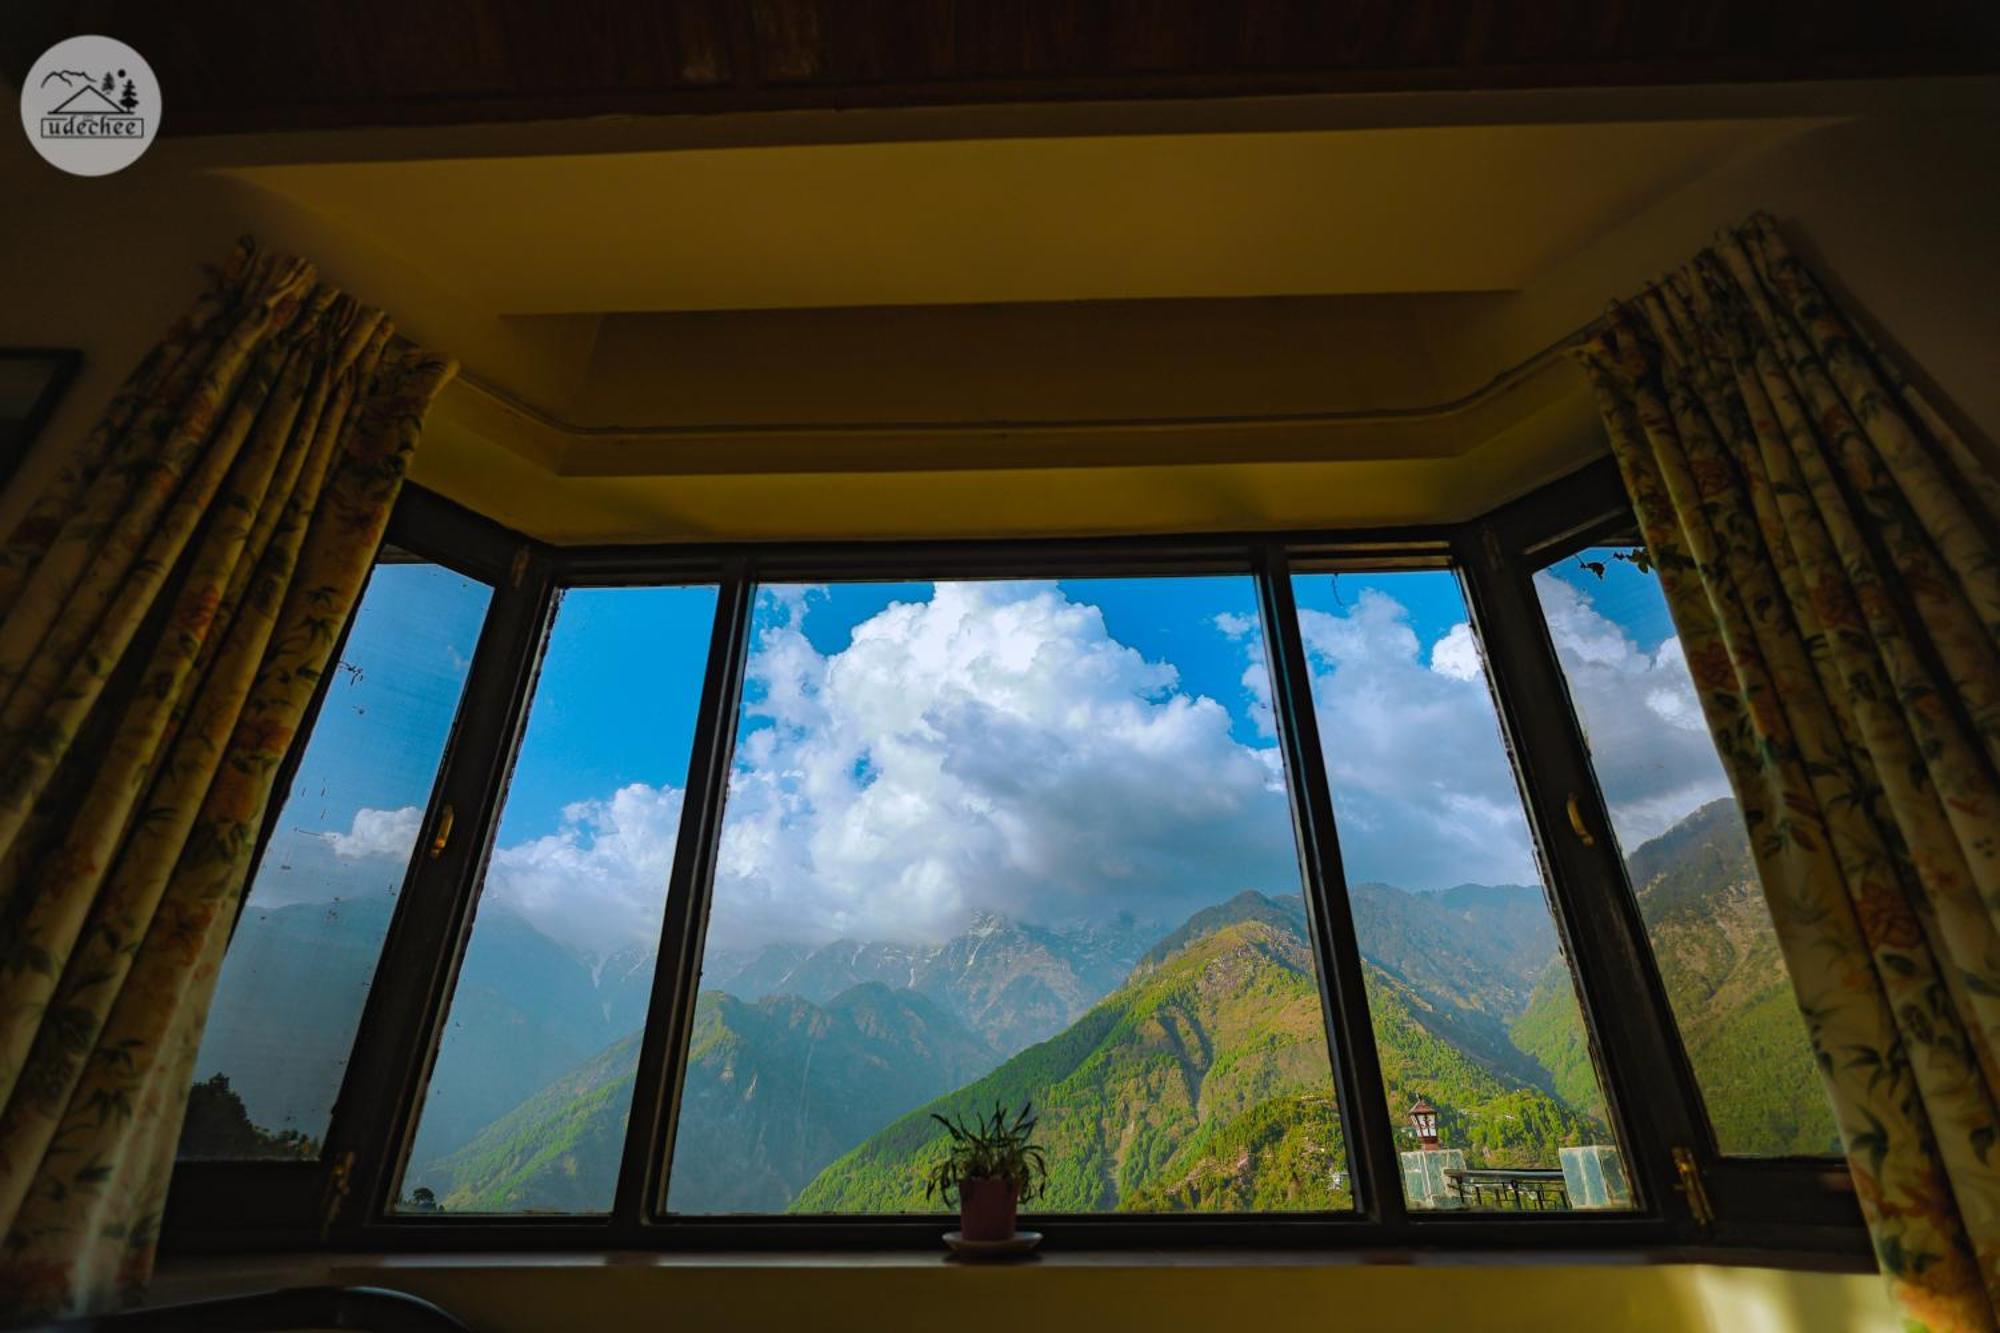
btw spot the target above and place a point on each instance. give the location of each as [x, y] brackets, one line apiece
[344, 1201]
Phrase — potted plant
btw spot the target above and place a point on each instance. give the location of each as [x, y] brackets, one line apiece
[994, 1167]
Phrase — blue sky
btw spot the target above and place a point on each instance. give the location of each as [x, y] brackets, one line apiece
[911, 753]
[1167, 619]
[387, 712]
[616, 703]
[979, 702]
[1431, 598]
[1624, 595]
[622, 673]
[623, 670]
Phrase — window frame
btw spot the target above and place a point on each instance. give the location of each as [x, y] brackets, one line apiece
[223, 1205]
[1794, 1201]
[346, 1199]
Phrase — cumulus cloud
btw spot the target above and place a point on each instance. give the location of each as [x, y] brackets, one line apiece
[599, 882]
[1423, 793]
[992, 748]
[995, 748]
[1456, 655]
[1256, 680]
[1649, 744]
[390, 833]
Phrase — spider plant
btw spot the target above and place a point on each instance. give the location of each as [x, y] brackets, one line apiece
[996, 1147]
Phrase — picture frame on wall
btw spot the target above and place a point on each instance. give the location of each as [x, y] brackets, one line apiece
[32, 381]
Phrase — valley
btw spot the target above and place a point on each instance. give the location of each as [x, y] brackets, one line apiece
[1175, 1066]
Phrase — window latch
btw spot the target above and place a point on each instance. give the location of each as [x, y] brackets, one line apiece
[1583, 834]
[442, 836]
[339, 1180]
[1693, 1188]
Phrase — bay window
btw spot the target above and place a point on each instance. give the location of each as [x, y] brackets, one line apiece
[1323, 889]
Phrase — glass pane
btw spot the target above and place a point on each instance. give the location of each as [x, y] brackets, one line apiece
[1008, 842]
[299, 966]
[1686, 854]
[1487, 1062]
[527, 1100]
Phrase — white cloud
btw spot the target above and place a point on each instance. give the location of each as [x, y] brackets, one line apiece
[995, 748]
[1424, 797]
[991, 748]
[1648, 741]
[1236, 626]
[600, 880]
[1457, 654]
[597, 883]
[1256, 670]
[390, 833]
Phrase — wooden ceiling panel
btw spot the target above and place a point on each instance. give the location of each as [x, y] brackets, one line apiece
[239, 68]
[611, 44]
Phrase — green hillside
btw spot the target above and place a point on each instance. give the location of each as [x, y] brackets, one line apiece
[1204, 1082]
[1550, 1031]
[777, 1089]
[557, 1152]
[1282, 1155]
[1726, 981]
[1201, 1082]
[1499, 1120]
[774, 1091]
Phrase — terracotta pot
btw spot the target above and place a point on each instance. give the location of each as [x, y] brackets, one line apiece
[986, 1209]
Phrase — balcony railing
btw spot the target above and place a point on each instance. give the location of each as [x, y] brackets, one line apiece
[1518, 1190]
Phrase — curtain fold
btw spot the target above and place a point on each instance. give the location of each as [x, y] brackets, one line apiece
[167, 607]
[1827, 546]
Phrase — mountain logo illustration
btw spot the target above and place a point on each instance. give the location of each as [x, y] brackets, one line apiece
[89, 101]
[90, 105]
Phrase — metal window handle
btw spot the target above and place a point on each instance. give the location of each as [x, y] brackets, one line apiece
[1693, 1187]
[1583, 834]
[339, 1181]
[443, 834]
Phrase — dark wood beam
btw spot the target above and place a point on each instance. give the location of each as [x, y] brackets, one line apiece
[230, 68]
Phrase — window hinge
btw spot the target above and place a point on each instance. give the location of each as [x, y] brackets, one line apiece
[1576, 822]
[442, 837]
[520, 565]
[1693, 1187]
[339, 1180]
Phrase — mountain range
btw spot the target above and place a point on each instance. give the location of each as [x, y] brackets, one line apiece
[1703, 907]
[1175, 1068]
[1014, 983]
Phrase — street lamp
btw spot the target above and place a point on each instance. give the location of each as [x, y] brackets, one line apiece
[1424, 1118]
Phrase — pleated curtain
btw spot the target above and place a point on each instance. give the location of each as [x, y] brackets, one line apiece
[167, 607]
[1827, 545]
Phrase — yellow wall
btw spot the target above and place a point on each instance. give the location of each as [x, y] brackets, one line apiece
[1895, 197]
[1899, 204]
[1062, 1294]
[1901, 210]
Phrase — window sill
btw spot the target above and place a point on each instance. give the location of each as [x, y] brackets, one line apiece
[192, 1277]
[1549, 1291]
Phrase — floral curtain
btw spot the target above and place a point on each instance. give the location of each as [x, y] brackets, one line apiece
[1828, 547]
[166, 608]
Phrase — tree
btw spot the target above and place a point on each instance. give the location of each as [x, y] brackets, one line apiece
[217, 1126]
[107, 81]
[129, 99]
